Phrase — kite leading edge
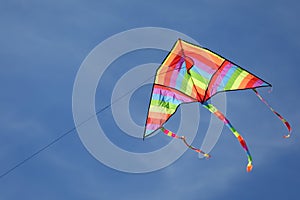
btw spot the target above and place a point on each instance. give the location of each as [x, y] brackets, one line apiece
[191, 73]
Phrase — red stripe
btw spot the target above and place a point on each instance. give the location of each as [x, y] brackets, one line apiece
[170, 70]
[288, 126]
[251, 83]
[242, 142]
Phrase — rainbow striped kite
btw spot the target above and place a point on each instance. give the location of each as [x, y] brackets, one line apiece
[191, 73]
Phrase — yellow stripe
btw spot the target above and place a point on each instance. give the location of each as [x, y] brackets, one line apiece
[189, 87]
[236, 134]
[199, 83]
[239, 80]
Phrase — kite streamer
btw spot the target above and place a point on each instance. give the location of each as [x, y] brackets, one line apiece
[173, 135]
[286, 123]
[220, 115]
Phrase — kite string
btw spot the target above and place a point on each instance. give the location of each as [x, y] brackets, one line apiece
[221, 116]
[286, 123]
[173, 135]
[54, 141]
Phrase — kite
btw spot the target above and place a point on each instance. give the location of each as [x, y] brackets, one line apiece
[191, 73]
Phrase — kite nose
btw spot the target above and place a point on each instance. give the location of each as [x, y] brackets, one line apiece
[189, 63]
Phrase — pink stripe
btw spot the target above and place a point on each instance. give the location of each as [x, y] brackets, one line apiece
[226, 121]
[199, 63]
[175, 72]
[203, 66]
[258, 83]
[173, 78]
[152, 126]
[222, 75]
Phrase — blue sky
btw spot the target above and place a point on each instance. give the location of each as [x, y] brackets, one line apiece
[43, 44]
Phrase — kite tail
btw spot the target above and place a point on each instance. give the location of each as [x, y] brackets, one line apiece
[221, 116]
[171, 134]
[288, 126]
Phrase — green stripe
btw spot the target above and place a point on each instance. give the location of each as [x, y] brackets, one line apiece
[184, 82]
[232, 129]
[233, 77]
[200, 78]
[160, 109]
[163, 104]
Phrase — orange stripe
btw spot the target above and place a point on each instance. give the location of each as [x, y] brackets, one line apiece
[160, 75]
[170, 70]
[199, 92]
[173, 57]
[194, 94]
[245, 81]
[174, 52]
[216, 59]
[212, 57]
[158, 115]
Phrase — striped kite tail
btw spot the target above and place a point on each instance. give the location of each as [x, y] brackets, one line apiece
[173, 135]
[221, 116]
[286, 123]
